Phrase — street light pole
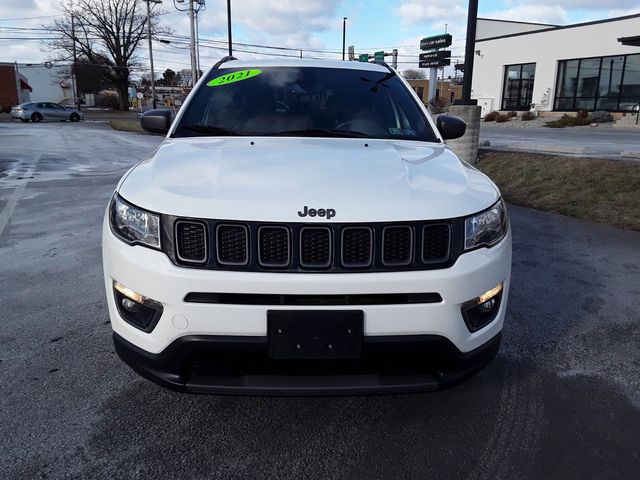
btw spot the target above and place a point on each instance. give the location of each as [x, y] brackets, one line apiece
[153, 77]
[469, 52]
[344, 34]
[229, 26]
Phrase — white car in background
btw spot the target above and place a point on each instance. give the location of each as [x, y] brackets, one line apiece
[303, 229]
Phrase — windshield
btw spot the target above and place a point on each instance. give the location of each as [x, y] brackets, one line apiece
[304, 101]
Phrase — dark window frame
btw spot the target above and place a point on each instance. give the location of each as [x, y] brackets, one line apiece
[575, 98]
[521, 103]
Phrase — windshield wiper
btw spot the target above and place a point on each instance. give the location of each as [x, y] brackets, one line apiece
[210, 130]
[320, 132]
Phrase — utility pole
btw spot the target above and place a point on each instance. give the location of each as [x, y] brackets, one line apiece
[194, 70]
[74, 79]
[197, 44]
[18, 86]
[200, 5]
[394, 58]
[344, 34]
[153, 75]
[229, 26]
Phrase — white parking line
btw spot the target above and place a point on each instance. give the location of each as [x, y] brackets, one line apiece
[8, 209]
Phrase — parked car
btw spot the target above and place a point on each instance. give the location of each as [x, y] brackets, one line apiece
[304, 229]
[38, 111]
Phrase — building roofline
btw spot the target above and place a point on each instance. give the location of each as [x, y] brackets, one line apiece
[561, 27]
[518, 21]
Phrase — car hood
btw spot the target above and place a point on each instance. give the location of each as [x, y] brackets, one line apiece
[273, 178]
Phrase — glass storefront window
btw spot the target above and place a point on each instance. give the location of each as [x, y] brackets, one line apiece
[568, 78]
[630, 83]
[518, 86]
[602, 83]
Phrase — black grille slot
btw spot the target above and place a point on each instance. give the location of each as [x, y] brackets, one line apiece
[191, 241]
[274, 249]
[233, 244]
[312, 300]
[315, 247]
[435, 243]
[357, 246]
[397, 245]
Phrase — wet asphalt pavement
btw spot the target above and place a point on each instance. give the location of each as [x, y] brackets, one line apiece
[561, 400]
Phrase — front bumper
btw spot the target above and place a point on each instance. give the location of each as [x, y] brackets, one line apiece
[165, 354]
[240, 365]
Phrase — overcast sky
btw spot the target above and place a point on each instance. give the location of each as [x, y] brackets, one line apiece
[311, 25]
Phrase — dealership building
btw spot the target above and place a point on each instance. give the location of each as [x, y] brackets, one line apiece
[586, 66]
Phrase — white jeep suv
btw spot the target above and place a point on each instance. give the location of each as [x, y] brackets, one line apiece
[304, 229]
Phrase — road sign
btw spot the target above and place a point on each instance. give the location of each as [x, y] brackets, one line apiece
[363, 58]
[140, 95]
[437, 63]
[435, 55]
[460, 67]
[438, 41]
[379, 55]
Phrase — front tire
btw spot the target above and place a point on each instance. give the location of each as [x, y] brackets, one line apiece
[36, 117]
[74, 117]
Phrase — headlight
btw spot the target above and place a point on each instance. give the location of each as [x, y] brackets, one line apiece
[134, 225]
[486, 228]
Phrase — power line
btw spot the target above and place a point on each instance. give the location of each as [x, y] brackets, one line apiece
[29, 18]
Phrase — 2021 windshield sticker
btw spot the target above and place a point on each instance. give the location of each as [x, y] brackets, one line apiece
[233, 77]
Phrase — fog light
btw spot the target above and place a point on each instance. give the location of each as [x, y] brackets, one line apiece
[487, 306]
[128, 304]
[136, 309]
[482, 310]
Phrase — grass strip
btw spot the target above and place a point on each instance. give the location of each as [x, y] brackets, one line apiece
[602, 191]
[129, 125]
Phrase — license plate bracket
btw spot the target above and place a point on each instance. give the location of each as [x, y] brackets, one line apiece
[314, 334]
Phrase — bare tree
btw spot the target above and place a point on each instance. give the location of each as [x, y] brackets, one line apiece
[90, 77]
[414, 74]
[107, 33]
[185, 77]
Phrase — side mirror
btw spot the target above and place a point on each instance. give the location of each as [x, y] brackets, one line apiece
[450, 126]
[156, 121]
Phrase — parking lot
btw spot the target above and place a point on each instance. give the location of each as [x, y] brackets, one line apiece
[561, 400]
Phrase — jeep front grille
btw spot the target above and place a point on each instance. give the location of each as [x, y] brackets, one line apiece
[435, 242]
[315, 247]
[397, 245]
[274, 247]
[304, 247]
[232, 244]
[357, 246]
[191, 240]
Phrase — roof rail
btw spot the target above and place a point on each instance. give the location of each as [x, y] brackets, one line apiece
[384, 64]
[228, 58]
